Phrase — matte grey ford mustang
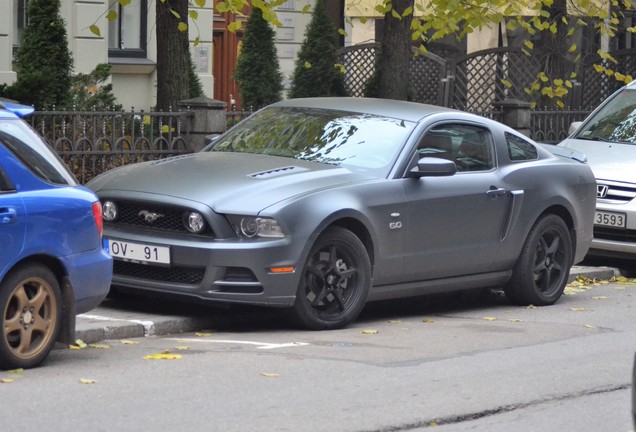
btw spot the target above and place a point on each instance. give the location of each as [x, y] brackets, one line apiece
[321, 205]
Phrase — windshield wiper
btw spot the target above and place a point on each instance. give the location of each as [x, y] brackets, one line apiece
[595, 138]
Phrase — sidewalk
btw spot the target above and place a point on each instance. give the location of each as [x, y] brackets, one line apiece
[109, 322]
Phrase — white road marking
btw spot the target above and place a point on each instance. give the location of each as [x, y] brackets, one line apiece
[259, 345]
[149, 326]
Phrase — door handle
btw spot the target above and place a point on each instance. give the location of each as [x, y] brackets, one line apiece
[7, 215]
[495, 191]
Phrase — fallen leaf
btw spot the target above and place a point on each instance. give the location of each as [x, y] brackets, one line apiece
[87, 381]
[394, 321]
[369, 331]
[270, 374]
[163, 356]
[202, 334]
[16, 371]
[515, 320]
[99, 346]
[128, 342]
[577, 309]
[599, 297]
[532, 307]
[6, 380]
[428, 321]
[182, 348]
[589, 326]
[79, 344]
[488, 318]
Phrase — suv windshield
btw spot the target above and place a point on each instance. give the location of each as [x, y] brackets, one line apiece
[615, 122]
[334, 137]
[33, 152]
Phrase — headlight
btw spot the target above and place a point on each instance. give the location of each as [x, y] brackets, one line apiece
[253, 227]
[109, 210]
[194, 222]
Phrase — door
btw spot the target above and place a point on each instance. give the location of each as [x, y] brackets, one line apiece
[12, 220]
[455, 223]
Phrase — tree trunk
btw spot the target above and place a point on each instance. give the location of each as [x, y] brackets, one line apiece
[172, 54]
[395, 55]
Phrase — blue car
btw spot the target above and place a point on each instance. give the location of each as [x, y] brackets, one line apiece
[52, 263]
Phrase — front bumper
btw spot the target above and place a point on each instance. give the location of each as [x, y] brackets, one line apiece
[611, 242]
[228, 270]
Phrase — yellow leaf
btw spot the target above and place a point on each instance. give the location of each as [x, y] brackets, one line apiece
[599, 297]
[515, 320]
[427, 321]
[111, 15]
[506, 83]
[16, 371]
[124, 2]
[589, 326]
[6, 380]
[202, 334]
[200, 3]
[193, 14]
[560, 104]
[95, 30]
[572, 48]
[577, 309]
[394, 321]
[489, 318]
[197, 41]
[99, 346]
[342, 32]
[270, 374]
[79, 344]
[306, 9]
[234, 26]
[182, 348]
[182, 26]
[532, 307]
[528, 44]
[369, 331]
[163, 356]
[128, 342]
[307, 65]
[175, 13]
[87, 381]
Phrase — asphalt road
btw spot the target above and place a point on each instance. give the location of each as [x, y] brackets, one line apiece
[461, 362]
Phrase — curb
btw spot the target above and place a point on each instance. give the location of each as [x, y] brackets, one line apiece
[110, 321]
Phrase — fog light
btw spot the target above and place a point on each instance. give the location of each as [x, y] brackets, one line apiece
[109, 210]
[195, 223]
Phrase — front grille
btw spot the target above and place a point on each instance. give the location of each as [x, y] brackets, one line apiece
[174, 274]
[169, 218]
[614, 192]
[620, 235]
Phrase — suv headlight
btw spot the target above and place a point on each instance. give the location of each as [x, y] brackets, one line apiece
[256, 227]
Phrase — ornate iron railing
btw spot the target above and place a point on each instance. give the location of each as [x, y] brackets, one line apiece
[93, 142]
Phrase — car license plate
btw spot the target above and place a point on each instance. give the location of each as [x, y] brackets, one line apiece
[617, 220]
[137, 251]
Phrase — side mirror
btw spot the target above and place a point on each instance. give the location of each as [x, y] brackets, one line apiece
[433, 167]
[574, 126]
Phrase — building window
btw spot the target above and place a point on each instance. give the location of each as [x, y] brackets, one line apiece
[20, 20]
[127, 33]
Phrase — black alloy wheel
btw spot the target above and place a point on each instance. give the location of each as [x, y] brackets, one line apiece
[335, 281]
[542, 271]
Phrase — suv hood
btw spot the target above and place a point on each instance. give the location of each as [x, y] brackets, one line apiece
[609, 161]
[226, 182]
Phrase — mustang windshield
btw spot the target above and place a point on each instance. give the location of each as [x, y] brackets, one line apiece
[320, 135]
[615, 122]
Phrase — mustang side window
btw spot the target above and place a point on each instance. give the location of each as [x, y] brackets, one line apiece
[520, 149]
[470, 147]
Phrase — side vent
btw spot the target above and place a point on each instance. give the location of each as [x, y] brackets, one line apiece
[277, 172]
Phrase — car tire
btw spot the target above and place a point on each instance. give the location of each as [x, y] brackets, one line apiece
[30, 302]
[334, 283]
[543, 267]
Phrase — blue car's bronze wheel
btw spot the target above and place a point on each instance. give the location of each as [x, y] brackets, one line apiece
[335, 281]
[542, 271]
[30, 302]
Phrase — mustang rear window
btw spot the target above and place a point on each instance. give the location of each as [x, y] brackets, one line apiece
[320, 135]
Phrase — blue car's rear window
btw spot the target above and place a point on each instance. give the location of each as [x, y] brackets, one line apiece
[35, 154]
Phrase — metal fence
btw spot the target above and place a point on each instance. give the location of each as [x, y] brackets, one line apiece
[551, 127]
[93, 142]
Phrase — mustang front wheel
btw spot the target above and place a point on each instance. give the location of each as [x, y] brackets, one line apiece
[30, 304]
[542, 270]
[335, 281]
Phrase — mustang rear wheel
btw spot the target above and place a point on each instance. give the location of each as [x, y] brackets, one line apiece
[30, 304]
[335, 281]
[542, 270]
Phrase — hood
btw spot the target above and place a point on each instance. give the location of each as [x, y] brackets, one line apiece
[226, 182]
[609, 161]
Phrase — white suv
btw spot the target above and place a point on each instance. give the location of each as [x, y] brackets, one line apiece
[608, 138]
